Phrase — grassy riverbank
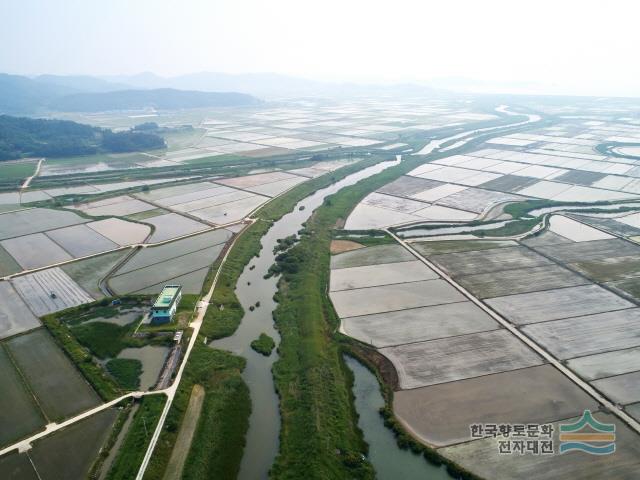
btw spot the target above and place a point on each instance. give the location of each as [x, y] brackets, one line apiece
[218, 442]
[136, 440]
[319, 436]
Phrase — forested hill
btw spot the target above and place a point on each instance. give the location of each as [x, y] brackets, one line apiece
[162, 99]
[28, 137]
[22, 95]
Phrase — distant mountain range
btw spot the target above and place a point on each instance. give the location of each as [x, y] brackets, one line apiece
[23, 95]
[270, 85]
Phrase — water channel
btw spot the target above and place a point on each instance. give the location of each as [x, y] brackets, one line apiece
[390, 462]
[252, 287]
[264, 423]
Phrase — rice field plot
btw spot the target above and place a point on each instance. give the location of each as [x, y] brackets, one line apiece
[418, 324]
[228, 195]
[613, 225]
[17, 170]
[191, 282]
[556, 304]
[160, 193]
[35, 251]
[255, 180]
[384, 274]
[520, 280]
[91, 164]
[440, 414]
[482, 457]
[115, 206]
[629, 286]
[142, 278]
[622, 389]
[579, 193]
[19, 414]
[574, 230]
[456, 358]
[59, 387]
[120, 231]
[88, 273]
[592, 250]
[509, 183]
[436, 193]
[544, 189]
[452, 246]
[35, 220]
[388, 298]
[477, 200]
[17, 466]
[70, 453]
[608, 364]
[173, 225]
[610, 269]
[580, 177]
[368, 217]
[588, 335]
[8, 265]
[371, 256]
[309, 172]
[49, 291]
[276, 188]
[544, 237]
[391, 202]
[81, 241]
[230, 212]
[155, 255]
[487, 261]
[634, 410]
[212, 190]
[15, 316]
[406, 186]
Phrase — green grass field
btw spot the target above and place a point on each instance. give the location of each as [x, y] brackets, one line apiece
[17, 170]
[126, 372]
[136, 440]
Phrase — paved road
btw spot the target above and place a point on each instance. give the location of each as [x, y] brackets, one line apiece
[202, 307]
[529, 342]
[27, 181]
[25, 444]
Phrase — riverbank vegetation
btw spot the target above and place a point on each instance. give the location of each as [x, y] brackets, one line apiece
[218, 443]
[137, 438]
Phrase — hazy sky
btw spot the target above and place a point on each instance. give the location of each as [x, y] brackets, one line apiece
[579, 46]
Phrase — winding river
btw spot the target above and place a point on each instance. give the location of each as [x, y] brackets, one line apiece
[252, 287]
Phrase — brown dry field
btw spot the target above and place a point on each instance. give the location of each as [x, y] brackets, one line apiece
[339, 246]
[442, 414]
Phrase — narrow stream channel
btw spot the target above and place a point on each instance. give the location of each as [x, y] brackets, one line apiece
[390, 462]
[264, 423]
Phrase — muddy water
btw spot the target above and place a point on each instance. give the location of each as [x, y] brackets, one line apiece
[264, 423]
[152, 358]
[390, 462]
